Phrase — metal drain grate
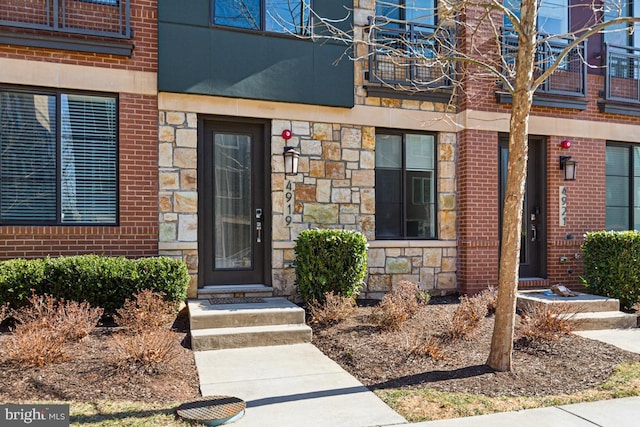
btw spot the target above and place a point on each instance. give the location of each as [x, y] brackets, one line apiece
[215, 410]
[242, 300]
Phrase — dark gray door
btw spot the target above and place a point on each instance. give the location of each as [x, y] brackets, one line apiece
[534, 228]
[232, 229]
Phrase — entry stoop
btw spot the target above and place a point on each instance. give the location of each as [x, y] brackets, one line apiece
[234, 322]
[592, 312]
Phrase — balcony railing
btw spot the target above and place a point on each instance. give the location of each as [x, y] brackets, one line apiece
[622, 82]
[106, 18]
[569, 79]
[411, 55]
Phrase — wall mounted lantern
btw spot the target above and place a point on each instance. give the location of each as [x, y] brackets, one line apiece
[291, 157]
[569, 166]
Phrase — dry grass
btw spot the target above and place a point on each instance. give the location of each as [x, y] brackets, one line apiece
[403, 302]
[146, 310]
[334, 309]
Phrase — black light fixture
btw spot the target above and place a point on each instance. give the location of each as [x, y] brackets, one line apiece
[569, 166]
[291, 157]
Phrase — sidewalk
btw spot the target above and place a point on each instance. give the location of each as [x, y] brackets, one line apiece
[297, 385]
[606, 413]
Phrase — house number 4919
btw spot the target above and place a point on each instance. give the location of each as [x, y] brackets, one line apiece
[288, 202]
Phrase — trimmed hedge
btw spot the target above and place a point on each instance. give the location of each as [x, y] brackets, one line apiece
[101, 281]
[330, 260]
[612, 265]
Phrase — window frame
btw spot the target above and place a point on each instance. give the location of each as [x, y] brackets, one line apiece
[629, 147]
[403, 21]
[263, 21]
[406, 188]
[58, 93]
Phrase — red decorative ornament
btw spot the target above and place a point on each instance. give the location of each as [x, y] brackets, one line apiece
[566, 144]
[287, 134]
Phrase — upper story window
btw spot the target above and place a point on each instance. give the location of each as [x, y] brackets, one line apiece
[553, 15]
[58, 158]
[619, 34]
[400, 12]
[277, 16]
[623, 187]
[405, 186]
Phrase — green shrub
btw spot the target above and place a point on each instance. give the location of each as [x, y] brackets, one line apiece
[330, 261]
[612, 265]
[105, 282]
[18, 277]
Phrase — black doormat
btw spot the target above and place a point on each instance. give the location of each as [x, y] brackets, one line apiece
[241, 300]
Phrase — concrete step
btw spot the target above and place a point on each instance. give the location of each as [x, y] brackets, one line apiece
[271, 311]
[604, 320]
[581, 303]
[235, 291]
[252, 336]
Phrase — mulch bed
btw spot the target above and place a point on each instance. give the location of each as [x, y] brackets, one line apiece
[385, 359]
[90, 374]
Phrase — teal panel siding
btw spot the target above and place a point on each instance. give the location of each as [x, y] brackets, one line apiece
[198, 59]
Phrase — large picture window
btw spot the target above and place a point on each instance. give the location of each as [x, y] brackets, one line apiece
[405, 186]
[58, 158]
[623, 187]
[278, 16]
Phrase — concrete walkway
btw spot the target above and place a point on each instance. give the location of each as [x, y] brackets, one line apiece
[297, 385]
[291, 385]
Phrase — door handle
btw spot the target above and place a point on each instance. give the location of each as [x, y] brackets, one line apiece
[534, 233]
[258, 231]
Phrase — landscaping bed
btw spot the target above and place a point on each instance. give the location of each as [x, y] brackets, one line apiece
[391, 359]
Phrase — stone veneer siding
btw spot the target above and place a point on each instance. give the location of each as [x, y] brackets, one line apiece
[334, 189]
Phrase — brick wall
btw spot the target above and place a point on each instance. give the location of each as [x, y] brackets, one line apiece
[144, 17]
[478, 210]
[137, 233]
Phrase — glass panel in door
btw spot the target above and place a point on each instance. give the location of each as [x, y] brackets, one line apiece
[232, 200]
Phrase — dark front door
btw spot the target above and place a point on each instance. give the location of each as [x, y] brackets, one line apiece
[533, 243]
[232, 204]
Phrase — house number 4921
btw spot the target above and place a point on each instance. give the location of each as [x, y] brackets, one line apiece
[562, 207]
[288, 202]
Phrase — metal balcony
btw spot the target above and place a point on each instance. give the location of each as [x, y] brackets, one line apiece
[105, 18]
[622, 81]
[569, 79]
[409, 55]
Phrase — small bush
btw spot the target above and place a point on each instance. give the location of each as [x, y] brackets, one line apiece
[45, 326]
[146, 310]
[429, 346]
[547, 322]
[149, 351]
[402, 303]
[18, 278]
[489, 297]
[330, 261]
[101, 281]
[467, 317]
[35, 344]
[612, 265]
[334, 309]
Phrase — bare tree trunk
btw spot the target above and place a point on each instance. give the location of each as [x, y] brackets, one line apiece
[500, 356]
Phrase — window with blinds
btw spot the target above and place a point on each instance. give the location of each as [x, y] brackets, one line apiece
[58, 158]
